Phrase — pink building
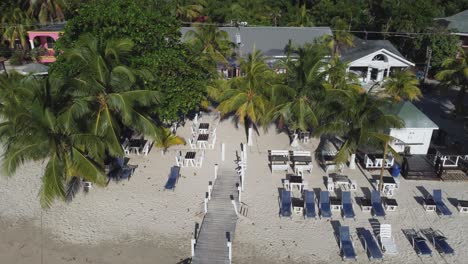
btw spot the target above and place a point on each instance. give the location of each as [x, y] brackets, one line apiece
[44, 39]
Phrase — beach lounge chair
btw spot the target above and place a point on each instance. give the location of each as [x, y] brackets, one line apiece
[386, 239]
[347, 205]
[440, 205]
[370, 245]
[438, 240]
[172, 179]
[346, 245]
[325, 210]
[418, 242]
[377, 206]
[285, 203]
[309, 206]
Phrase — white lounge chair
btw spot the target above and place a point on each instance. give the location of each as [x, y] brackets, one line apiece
[386, 239]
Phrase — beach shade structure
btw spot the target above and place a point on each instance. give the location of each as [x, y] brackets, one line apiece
[309, 204]
[285, 203]
[347, 205]
[35, 69]
[346, 245]
[325, 210]
[370, 245]
[438, 240]
[386, 239]
[377, 206]
[173, 178]
[440, 205]
[418, 242]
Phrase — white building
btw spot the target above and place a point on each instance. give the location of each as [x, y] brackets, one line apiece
[415, 137]
[373, 60]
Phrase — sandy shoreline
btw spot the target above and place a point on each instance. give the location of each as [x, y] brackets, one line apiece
[137, 221]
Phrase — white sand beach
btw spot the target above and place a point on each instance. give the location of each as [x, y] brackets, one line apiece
[136, 221]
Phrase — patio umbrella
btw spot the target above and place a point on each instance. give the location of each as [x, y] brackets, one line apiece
[35, 69]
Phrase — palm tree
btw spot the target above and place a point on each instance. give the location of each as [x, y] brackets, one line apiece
[359, 119]
[455, 74]
[187, 11]
[403, 85]
[303, 18]
[165, 139]
[338, 77]
[246, 96]
[47, 10]
[31, 131]
[213, 45]
[298, 100]
[105, 93]
[16, 26]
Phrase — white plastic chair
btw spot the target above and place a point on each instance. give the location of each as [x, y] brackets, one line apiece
[213, 132]
[146, 148]
[286, 185]
[353, 185]
[87, 186]
[125, 147]
[192, 143]
[386, 239]
[330, 184]
[212, 144]
[199, 162]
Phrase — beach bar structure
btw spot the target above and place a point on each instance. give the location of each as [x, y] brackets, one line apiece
[415, 137]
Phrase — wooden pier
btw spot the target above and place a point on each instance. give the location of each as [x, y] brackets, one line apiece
[219, 224]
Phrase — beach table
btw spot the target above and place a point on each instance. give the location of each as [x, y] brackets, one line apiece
[279, 162]
[389, 185]
[203, 128]
[202, 140]
[341, 181]
[190, 158]
[366, 205]
[429, 204]
[301, 163]
[298, 205]
[295, 181]
[335, 203]
[462, 206]
[135, 145]
[390, 204]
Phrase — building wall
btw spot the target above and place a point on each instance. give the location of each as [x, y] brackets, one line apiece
[418, 139]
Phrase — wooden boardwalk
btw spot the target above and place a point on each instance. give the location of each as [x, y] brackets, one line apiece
[211, 246]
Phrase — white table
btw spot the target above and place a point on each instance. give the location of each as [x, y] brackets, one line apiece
[190, 158]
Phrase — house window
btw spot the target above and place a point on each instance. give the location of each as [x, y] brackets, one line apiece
[50, 43]
[380, 57]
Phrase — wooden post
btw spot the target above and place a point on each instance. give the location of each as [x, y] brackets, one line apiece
[210, 188]
[352, 162]
[206, 203]
[242, 178]
[234, 204]
[229, 245]
[222, 151]
[239, 189]
[193, 241]
[383, 165]
[216, 171]
[249, 140]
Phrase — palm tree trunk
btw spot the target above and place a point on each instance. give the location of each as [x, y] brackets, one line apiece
[460, 100]
[383, 165]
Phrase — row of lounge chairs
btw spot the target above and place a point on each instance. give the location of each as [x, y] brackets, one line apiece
[325, 205]
[418, 240]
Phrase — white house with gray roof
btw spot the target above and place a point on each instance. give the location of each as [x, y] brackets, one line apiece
[415, 137]
[373, 60]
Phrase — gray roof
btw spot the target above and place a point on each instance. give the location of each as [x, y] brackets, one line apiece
[412, 116]
[53, 28]
[363, 48]
[271, 40]
[458, 22]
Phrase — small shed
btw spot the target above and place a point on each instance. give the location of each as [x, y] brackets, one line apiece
[415, 137]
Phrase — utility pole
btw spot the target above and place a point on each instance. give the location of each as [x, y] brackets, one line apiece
[428, 63]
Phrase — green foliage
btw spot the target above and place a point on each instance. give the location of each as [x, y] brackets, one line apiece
[165, 139]
[157, 47]
[403, 85]
[18, 57]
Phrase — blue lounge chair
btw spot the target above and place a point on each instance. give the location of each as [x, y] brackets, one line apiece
[325, 210]
[419, 243]
[285, 203]
[347, 205]
[377, 204]
[310, 204]
[370, 245]
[438, 240]
[173, 178]
[346, 245]
[440, 205]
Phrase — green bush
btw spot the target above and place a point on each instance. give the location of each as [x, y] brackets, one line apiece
[5, 51]
[17, 58]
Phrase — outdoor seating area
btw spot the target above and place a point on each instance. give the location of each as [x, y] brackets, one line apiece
[190, 159]
[374, 161]
[203, 134]
[136, 146]
[282, 160]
